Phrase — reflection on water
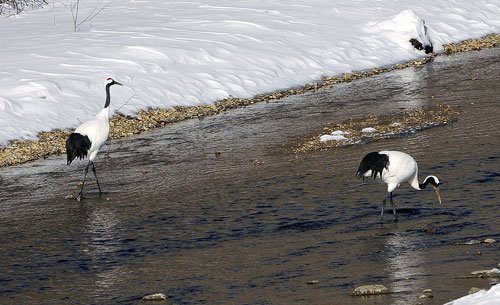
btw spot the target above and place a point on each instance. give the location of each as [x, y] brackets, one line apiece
[252, 224]
[101, 226]
[409, 84]
[101, 244]
[108, 280]
[405, 264]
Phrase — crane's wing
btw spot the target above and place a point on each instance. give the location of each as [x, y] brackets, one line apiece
[372, 165]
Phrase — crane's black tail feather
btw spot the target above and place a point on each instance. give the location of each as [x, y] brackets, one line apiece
[77, 145]
[374, 162]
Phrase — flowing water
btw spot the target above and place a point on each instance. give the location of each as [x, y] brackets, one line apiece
[219, 211]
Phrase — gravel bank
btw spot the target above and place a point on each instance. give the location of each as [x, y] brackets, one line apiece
[374, 128]
[53, 142]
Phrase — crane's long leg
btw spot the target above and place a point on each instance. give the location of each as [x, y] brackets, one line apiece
[95, 175]
[393, 208]
[80, 193]
[383, 206]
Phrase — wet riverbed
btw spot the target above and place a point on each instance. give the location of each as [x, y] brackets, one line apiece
[219, 211]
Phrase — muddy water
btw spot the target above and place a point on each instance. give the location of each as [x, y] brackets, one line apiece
[218, 211]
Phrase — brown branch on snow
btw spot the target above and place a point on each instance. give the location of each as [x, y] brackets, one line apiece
[75, 7]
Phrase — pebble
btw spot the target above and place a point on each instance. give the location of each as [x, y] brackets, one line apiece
[474, 290]
[257, 162]
[155, 297]
[489, 241]
[486, 273]
[312, 282]
[428, 293]
[370, 290]
[480, 273]
[471, 242]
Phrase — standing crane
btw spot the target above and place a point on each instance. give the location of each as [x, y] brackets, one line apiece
[89, 137]
[394, 168]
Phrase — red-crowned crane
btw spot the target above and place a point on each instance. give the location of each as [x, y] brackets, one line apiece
[394, 168]
[89, 137]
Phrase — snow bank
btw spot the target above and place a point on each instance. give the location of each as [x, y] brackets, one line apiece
[490, 297]
[397, 31]
[170, 53]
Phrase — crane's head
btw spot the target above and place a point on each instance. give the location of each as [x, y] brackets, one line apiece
[434, 181]
[109, 81]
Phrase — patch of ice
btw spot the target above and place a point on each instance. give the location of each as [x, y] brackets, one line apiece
[337, 135]
[368, 130]
[339, 132]
[332, 137]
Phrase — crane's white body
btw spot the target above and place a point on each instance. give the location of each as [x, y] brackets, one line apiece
[97, 130]
[402, 168]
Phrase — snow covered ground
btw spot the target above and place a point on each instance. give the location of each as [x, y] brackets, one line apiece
[483, 297]
[169, 53]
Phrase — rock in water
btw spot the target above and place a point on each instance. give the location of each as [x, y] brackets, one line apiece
[470, 242]
[370, 290]
[155, 297]
[427, 293]
[419, 46]
[495, 272]
[489, 241]
[474, 290]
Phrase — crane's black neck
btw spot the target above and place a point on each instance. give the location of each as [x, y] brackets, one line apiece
[429, 180]
[108, 98]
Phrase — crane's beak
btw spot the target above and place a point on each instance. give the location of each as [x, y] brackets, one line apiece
[438, 194]
[117, 83]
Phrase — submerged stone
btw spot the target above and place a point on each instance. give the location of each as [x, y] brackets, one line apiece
[474, 290]
[370, 290]
[471, 242]
[486, 273]
[155, 297]
[427, 293]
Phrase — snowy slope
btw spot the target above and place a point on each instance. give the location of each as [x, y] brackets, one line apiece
[169, 53]
[483, 297]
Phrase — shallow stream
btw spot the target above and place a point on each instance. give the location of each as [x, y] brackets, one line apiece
[219, 211]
